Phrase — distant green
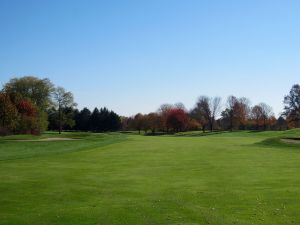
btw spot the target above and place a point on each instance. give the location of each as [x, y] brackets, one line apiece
[238, 178]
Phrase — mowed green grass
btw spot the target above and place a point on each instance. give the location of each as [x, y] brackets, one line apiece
[121, 179]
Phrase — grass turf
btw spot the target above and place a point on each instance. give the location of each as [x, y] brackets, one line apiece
[236, 178]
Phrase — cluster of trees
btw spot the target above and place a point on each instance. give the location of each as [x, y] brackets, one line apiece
[30, 105]
[238, 114]
[23, 105]
[102, 120]
[168, 118]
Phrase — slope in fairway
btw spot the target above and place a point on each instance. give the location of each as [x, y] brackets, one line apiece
[230, 178]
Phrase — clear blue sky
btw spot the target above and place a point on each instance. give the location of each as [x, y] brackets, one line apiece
[131, 56]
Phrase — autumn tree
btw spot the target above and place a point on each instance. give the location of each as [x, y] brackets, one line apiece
[193, 124]
[28, 122]
[38, 91]
[8, 114]
[127, 123]
[236, 113]
[244, 112]
[272, 122]
[154, 121]
[145, 123]
[29, 87]
[177, 119]
[163, 112]
[262, 115]
[21, 116]
[138, 122]
[292, 106]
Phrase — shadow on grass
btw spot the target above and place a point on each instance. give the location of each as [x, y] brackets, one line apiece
[201, 134]
[188, 134]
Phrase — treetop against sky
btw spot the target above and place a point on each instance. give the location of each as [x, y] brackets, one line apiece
[131, 56]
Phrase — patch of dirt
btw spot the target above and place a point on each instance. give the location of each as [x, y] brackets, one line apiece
[50, 139]
[291, 140]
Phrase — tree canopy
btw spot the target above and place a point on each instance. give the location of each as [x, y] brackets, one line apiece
[31, 105]
[292, 106]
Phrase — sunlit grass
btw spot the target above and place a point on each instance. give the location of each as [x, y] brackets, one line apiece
[226, 178]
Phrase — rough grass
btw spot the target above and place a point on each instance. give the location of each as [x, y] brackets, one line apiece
[237, 178]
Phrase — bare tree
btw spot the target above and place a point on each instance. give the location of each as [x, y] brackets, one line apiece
[256, 114]
[215, 108]
[206, 111]
[230, 111]
[267, 113]
[261, 114]
[179, 105]
[64, 99]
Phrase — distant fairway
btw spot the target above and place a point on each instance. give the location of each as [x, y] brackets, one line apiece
[238, 178]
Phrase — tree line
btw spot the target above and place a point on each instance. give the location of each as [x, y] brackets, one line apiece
[207, 115]
[29, 105]
[99, 120]
[32, 105]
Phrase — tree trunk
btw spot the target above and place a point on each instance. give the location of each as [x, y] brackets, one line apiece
[3, 120]
[60, 120]
[211, 125]
[265, 124]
